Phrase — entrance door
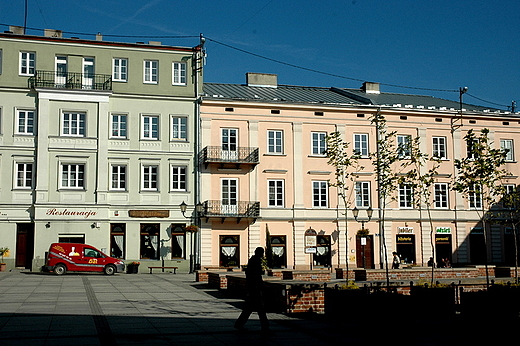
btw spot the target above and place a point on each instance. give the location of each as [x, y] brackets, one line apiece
[88, 73]
[24, 245]
[365, 253]
[229, 139]
[230, 196]
[443, 250]
[405, 248]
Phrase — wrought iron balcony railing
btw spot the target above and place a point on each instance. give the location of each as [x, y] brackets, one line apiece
[242, 209]
[70, 80]
[242, 155]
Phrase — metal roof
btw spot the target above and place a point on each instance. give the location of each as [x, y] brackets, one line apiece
[331, 96]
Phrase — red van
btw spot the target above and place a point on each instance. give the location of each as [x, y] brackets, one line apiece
[63, 257]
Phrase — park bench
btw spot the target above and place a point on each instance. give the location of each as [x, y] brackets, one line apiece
[174, 269]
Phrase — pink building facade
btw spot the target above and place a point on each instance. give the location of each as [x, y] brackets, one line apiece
[265, 180]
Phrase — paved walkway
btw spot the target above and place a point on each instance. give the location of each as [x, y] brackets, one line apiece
[167, 309]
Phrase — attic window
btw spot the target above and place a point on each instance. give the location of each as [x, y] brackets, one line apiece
[318, 113]
[275, 111]
[361, 115]
[403, 117]
[472, 121]
[439, 120]
[230, 109]
[505, 122]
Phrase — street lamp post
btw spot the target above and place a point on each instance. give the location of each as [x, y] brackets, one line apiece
[198, 209]
[370, 212]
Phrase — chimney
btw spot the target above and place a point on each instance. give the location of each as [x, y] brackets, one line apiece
[265, 80]
[17, 30]
[370, 88]
[99, 37]
[52, 33]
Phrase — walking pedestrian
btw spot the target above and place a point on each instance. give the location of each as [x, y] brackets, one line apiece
[254, 299]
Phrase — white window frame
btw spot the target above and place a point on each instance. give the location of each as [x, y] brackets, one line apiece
[441, 196]
[118, 177]
[405, 196]
[276, 193]
[150, 71]
[118, 125]
[147, 127]
[24, 175]
[25, 122]
[179, 73]
[149, 177]
[404, 146]
[508, 189]
[320, 194]
[27, 63]
[361, 144]
[73, 124]
[362, 190]
[275, 142]
[179, 178]
[508, 144]
[475, 197]
[439, 147]
[318, 143]
[119, 70]
[0, 60]
[179, 128]
[73, 177]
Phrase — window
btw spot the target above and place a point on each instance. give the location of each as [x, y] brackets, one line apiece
[88, 73]
[149, 247]
[117, 240]
[319, 144]
[229, 251]
[439, 147]
[472, 149]
[150, 127]
[60, 63]
[72, 176]
[404, 143]
[27, 63]
[229, 195]
[179, 128]
[475, 196]
[507, 146]
[118, 126]
[149, 177]
[178, 241]
[118, 177]
[510, 198]
[441, 195]
[0, 61]
[73, 124]
[319, 194]
[405, 196]
[25, 122]
[178, 178]
[361, 144]
[275, 142]
[150, 71]
[276, 253]
[362, 189]
[24, 175]
[179, 73]
[276, 193]
[119, 69]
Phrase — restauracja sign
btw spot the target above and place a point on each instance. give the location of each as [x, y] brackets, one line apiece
[67, 212]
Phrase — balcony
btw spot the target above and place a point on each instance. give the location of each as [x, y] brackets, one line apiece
[70, 80]
[216, 154]
[243, 209]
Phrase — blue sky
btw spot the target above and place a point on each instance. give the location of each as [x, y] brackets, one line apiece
[426, 46]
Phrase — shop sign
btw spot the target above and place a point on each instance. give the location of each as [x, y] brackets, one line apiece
[443, 230]
[404, 239]
[310, 241]
[149, 213]
[405, 230]
[442, 239]
[71, 212]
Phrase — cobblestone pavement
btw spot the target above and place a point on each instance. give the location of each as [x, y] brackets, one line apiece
[168, 309]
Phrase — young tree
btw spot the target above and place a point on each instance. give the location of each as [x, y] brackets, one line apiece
[509, 215]
[420, 176]
[480, 177]
[384, 160]
[345, 165]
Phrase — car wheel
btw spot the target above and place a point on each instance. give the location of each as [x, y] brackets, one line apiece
[60, 269]
[110, 269]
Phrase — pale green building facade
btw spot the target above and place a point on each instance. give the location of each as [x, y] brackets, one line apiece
[97, 143]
